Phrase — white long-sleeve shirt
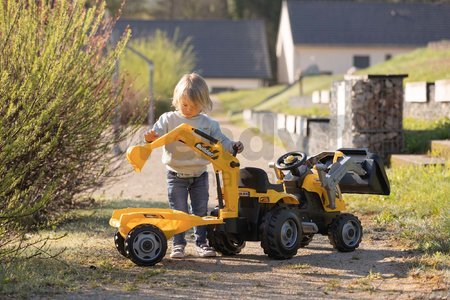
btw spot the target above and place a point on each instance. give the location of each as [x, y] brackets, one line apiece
[181, 158]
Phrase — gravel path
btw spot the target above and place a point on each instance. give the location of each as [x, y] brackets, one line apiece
[378, 269]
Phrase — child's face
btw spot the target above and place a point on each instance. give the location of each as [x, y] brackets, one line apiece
[188, 108]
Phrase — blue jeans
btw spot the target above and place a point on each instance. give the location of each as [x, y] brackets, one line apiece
[178, 191]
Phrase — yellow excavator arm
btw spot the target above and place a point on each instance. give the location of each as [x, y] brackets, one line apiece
[224, 163]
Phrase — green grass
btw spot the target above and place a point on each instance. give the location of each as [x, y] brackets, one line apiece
[87, 257]
[281, 104]
[423, 64]
[418, 133]
[243, 99]
[257, 99]
[417, 208]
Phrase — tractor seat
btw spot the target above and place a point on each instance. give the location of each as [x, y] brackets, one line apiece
[255, 178]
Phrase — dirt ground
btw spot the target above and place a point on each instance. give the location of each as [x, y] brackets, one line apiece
[378, 269]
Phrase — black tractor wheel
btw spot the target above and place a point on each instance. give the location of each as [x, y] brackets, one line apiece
[345, 232]
[306, 240]
[145, 245]
[119, 241]
[225, 243]
[281, 233]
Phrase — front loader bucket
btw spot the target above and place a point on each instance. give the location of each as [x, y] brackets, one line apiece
[138, 155]
[374, 182]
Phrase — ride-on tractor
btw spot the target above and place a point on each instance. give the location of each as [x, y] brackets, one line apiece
[283, 216]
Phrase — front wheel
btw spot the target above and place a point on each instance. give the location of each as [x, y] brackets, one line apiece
[281, 233]
[306, 240]
[146, 245]
[345, 232]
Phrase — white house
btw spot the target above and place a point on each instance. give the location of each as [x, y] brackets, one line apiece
[333, 36]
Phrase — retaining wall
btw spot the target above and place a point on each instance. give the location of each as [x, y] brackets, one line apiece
[425, 100]
[366, 111]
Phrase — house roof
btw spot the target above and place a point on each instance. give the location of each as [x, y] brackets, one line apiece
[223, 48]
[368, 23]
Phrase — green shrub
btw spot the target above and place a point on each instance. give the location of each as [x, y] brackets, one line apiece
[57, 99]
[171, 59]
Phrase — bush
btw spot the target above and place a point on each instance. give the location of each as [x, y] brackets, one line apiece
[57, 99]
[136, 104]
[171, 59]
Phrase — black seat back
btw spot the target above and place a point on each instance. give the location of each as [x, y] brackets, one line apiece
[255, 178]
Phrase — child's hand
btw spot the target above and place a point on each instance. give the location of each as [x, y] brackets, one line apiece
[150, 136]
[238, 146]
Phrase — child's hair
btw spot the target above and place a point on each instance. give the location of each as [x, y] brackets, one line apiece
[194, 87]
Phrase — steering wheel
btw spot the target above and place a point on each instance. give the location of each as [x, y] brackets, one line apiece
[291, 161]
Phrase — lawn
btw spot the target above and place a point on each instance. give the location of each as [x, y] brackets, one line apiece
[419, 133]
[417, 209]
[243, 99]
[277, 98]
[423, 64]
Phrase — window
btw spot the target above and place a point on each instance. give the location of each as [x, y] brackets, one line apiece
[361, 61]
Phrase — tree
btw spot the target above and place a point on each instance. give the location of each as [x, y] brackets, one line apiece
[170, 9]
[171, 57]
[194, 10]
[131, 9]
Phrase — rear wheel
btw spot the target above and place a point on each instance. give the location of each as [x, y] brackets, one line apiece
[119, 241]
[225, 243]
[306, 240]
[146, 245]
[345, 232]
[281, 233]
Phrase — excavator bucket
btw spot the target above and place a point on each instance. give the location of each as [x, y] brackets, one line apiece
[138, 155]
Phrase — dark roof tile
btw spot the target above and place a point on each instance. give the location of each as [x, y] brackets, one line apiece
[368, 23]
[223, 48]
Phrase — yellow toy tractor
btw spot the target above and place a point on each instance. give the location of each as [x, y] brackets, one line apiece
[283, 216]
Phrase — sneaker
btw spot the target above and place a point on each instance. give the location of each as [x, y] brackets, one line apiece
[205, 251]
[177, 251]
